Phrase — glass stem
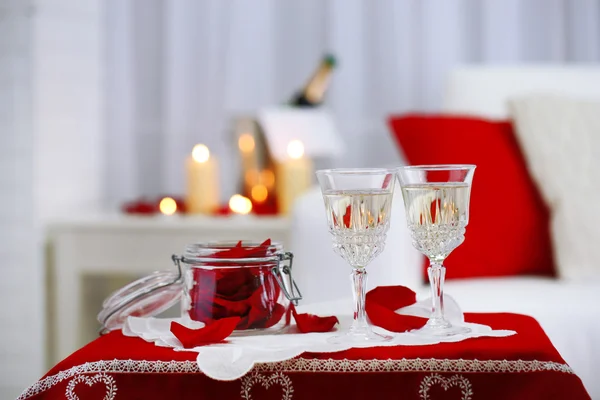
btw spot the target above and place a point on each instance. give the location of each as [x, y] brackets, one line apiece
[359, 283]
[437, 273]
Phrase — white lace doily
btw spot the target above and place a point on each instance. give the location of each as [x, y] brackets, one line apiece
[232, 360]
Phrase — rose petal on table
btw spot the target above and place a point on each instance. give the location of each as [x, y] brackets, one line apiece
[308, 323]
[391, 321]
[381, 304]
[215, 332]
[391, 297]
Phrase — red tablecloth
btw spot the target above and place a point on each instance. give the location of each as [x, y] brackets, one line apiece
[523, 366]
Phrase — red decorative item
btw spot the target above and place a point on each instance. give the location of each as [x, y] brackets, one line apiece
[382, 302]
[506, 209]
[267, 207]
[213, 333]
[308, 323]
[145, 206]
[241, 251]
[348, 217]
[234, 289]
[142, 207]
[181, 206]
[223, 210]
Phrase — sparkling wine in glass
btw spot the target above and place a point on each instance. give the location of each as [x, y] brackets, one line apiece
[436, 199]
[358, 206]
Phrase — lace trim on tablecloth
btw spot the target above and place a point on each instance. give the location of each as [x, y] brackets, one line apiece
[306, 365]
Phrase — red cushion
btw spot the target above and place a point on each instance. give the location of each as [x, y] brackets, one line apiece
[508, 232]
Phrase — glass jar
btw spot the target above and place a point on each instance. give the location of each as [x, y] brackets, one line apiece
[215, 280]
[244, 279]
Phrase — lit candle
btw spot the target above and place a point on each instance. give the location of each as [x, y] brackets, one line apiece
[240, 204]
[167, 206]
[202, 194]
[292, 176]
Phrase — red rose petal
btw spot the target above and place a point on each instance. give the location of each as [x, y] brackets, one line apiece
[240, 251]
[140, 207]
[260, 309]
[252, 294]
[243, 324]
[348, 217]
[386, 181]
[308, 323]
[381, 304]
[224, 308]
[392, 297]
[213, 333]
[235, 284]
[273, 317]
[288, 315]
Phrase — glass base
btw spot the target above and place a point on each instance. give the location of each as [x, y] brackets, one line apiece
[365, 337]
[441, 328]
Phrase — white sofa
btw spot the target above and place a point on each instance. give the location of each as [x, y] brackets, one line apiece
[569, 312]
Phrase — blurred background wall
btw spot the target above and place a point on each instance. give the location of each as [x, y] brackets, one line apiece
[51, 157]
[100, 100]
[179, 71]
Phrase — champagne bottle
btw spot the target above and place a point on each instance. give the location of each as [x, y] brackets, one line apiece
[313, 93]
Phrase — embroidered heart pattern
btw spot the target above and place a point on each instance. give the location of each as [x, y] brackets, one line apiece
[267, 381]
[456, 380]
[109, 383]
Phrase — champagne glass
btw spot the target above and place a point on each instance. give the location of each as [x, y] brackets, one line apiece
[436, 199]
[358, 205]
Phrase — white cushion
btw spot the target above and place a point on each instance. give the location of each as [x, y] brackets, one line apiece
[484, 91]
[560, 138]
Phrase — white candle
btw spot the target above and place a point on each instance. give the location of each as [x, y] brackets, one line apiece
[293, 176]
[202, 186]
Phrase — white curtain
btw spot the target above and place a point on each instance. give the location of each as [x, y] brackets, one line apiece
[179, 71]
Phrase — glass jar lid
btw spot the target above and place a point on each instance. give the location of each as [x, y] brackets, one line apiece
[145, 297]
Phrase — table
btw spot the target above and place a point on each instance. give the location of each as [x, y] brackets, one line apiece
[125, 245]
[523, 366]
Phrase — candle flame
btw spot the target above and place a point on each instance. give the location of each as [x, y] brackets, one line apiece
[259, 193]
[168, 206]
[246, 143]
[240, 204]
[295, 149]
[200, 153]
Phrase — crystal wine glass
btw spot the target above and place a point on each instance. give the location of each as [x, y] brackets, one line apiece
[436, 199]
[358, 204]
